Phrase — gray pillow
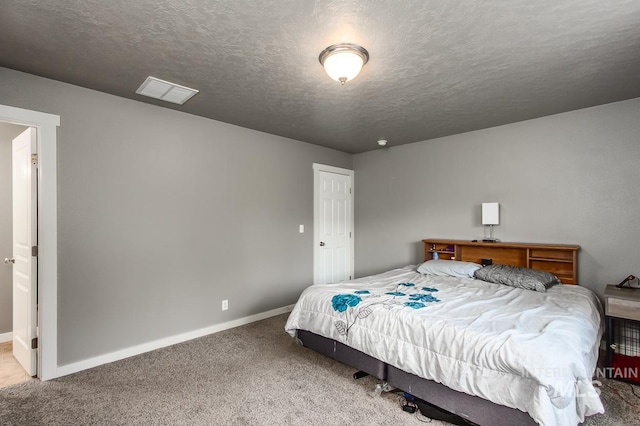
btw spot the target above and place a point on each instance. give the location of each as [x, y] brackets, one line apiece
[448, 268]
[514, 276]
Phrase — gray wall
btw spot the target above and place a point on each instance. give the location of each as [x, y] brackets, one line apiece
[161, 215]
[567, 178]
[7, 133]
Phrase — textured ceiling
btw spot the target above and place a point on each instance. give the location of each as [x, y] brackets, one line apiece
[437, 67]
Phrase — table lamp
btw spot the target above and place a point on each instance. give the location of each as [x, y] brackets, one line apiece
[490, 217]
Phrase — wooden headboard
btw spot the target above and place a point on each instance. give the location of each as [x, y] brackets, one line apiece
[559, 259]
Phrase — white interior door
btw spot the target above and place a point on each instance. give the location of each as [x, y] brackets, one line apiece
[24, 238]
[333, 225]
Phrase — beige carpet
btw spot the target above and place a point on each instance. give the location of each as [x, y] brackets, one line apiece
[250, 375]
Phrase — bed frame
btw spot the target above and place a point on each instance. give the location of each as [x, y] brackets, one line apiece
[470, 408]
[558, 259]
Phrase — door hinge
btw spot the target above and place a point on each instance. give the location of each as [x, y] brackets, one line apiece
[34, 343]
[349, 234]
[34, 159]
[34, 251]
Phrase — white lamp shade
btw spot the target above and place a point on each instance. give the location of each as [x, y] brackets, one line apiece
[345, 65]
[491, 213]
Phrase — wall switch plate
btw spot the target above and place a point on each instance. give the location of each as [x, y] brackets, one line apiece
[301, 229]
[225, 305]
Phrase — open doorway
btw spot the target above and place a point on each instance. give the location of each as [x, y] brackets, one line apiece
[11, 370]
[42, 130]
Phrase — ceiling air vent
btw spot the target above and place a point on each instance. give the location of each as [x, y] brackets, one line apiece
[165, 91]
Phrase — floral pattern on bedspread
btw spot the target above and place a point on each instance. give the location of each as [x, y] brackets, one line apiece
[342, 302]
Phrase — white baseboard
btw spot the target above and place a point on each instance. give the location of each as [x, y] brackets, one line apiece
[75, 367]
[6, 337]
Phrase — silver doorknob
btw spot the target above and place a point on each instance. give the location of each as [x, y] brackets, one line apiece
[8, 261]
[321, 243]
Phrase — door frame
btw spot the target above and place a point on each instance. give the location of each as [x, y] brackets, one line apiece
[317, 168]
[46, 139]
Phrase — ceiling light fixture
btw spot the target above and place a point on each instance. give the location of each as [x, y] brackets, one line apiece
[343, 62]
[382, 142]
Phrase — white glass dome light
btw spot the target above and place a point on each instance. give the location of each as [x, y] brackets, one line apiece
[343, 62]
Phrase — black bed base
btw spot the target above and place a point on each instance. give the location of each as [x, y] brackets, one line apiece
[343, 353]
[471, 408]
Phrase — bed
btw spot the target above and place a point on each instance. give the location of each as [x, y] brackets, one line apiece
[490, 353]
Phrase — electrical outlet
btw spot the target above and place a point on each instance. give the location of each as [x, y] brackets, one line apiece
[225, 305]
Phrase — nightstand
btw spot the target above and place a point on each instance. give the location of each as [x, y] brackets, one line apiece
[622, 315]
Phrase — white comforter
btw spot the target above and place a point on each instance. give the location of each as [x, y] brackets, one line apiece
[523, 349]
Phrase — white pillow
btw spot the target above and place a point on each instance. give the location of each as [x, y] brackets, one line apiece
[449, 268]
